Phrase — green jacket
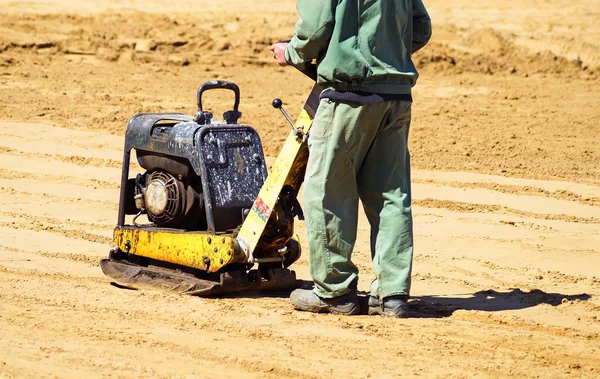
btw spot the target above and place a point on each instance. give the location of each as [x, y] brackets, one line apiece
[360, 45]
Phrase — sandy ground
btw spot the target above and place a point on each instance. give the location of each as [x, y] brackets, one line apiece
[505, 144]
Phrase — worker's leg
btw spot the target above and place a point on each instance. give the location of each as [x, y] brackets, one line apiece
[384, 187]
[339, 140]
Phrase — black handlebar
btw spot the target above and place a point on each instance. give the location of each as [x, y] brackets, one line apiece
[219, 84]
[231, 116]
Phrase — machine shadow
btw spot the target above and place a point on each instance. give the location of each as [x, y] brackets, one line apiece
[250, 294]
[488, 301]
[265, 293]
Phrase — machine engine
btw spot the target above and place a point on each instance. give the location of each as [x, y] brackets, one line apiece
[201, 175]
[170, 201]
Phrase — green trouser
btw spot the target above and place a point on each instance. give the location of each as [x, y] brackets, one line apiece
[359, 152]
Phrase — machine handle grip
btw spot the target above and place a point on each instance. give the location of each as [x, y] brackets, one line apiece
[219, 84]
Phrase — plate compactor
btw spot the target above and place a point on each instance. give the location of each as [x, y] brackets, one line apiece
[204, 218]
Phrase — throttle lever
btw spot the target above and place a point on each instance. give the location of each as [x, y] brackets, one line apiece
[278, 104]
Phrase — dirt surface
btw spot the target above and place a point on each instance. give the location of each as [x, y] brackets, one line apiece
[505, 143]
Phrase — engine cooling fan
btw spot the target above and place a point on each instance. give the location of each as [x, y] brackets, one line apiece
[163, 197]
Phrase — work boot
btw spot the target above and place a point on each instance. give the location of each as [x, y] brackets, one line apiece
[393, 306]
[307, 300]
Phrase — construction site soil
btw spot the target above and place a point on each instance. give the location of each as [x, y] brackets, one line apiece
[505, 146]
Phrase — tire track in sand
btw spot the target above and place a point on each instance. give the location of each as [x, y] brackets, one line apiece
[559, 194]
[85, 258]
[59, 179]
[72, 233]
[75, 159]
[459, 206]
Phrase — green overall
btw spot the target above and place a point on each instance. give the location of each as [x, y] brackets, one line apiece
[359, 152]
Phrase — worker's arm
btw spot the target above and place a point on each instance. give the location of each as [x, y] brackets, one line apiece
[313, 32]
[421, 26]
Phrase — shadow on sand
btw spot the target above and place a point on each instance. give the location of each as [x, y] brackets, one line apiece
[439, 306]
[488, 301]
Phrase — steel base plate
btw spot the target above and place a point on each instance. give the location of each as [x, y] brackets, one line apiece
[133, 276]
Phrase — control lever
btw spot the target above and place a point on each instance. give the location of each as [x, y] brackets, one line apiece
[278, 104]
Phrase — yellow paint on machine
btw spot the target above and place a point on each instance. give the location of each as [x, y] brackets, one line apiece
[254, 224]
[197, 250]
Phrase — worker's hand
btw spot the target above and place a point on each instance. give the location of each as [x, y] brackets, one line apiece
[278, 50]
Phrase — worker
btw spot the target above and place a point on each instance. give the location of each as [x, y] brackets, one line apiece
[358, 146]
